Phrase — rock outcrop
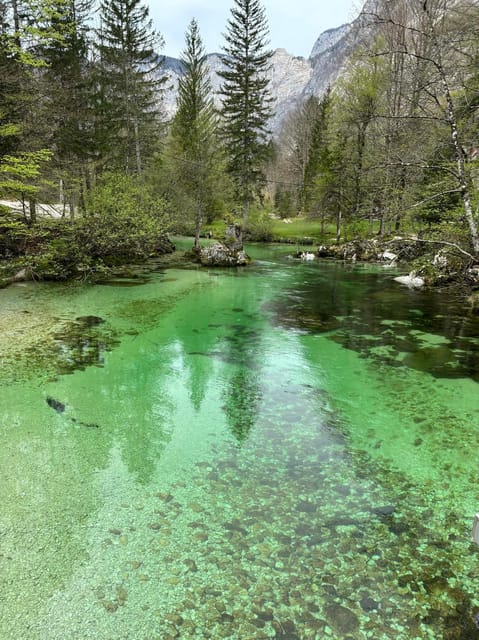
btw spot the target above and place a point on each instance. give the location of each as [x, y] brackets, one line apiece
[220, 255]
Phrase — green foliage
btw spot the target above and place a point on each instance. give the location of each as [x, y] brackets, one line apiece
[260, 226]
[123, 220]
[19, 174]
[127, 119]
[285, 203]
[318, 152]
[13, 234]
[246, 106]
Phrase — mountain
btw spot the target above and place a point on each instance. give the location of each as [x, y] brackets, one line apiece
[289, 76]
[292, 78]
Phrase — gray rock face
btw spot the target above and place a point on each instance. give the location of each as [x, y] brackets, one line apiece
[329, 39]
[289, 76]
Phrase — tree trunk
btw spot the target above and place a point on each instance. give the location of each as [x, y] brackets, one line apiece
[339, 218]
[16, 23]
[199, 222]
[461, 169]
[137, 147]
[382, 224]
[33, 211]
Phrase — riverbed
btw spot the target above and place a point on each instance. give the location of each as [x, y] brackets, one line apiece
[287, 450]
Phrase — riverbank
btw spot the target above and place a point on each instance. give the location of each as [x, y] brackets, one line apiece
[433, 263]
[91, 248]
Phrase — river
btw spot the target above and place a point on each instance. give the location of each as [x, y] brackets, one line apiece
[288, 450]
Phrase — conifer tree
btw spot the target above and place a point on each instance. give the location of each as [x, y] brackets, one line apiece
[67, 84]
[318, 149]
[128, 114]
[22, 148]
[194, 140]
[246, 106]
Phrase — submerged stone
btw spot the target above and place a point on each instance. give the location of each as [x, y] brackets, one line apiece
[90, 321]
[56, 405]
[368, 604]
[306, 507]
[110, 606]
[341, 619]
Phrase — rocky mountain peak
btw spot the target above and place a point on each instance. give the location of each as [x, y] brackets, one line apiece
[329, 39]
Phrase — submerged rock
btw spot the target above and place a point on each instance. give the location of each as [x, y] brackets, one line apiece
[90, 321]
[219, 255]
[56, 405]
[341, 619]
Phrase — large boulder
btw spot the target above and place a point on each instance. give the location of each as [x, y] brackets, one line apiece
[219, 255]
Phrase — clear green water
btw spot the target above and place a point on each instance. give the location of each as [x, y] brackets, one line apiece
[286, 451]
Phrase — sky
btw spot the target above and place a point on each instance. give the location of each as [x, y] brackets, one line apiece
[294, 25]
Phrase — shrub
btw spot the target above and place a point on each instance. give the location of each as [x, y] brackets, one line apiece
[123, 221]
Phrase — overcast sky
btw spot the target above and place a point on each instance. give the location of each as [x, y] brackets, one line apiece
[294, 24]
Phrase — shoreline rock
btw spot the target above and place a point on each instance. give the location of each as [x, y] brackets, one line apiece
[412, 280]
[220, 255]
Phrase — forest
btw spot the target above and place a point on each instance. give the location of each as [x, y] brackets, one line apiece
[390, 149]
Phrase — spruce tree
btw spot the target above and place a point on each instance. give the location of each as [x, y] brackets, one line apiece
[246, 106]
[318, 150]
[22, 145]
[194, 140]
[67, 86]
[127, 100]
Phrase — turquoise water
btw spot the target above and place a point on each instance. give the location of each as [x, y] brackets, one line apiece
[283, 451]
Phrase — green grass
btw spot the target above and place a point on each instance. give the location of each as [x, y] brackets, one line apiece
[305, 231]
[300, 229]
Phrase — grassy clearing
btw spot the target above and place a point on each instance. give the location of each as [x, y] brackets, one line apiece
[304, 231]
[301, 229]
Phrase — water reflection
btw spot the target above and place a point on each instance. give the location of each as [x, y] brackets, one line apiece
[381, 321]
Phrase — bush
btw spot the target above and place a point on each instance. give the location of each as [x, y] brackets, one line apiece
[260, 226]
[123, 221]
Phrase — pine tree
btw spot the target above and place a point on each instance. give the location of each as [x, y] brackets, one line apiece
[22, 147]
[127, 101]
[194, 140]
[67, 86]
[317, 151]
[246, 106]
